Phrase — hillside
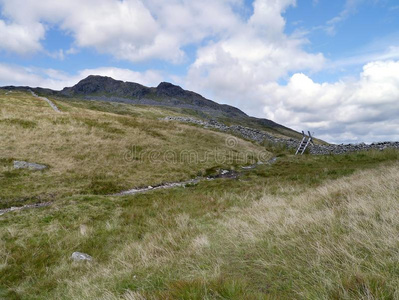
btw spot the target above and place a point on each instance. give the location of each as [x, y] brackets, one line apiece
[101, 151]
[102, 88]
[280, 227]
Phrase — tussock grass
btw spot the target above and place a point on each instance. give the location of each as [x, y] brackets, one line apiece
[19, 122]
[309, 227]
[100, 151]
[335, 238]
[337, 241]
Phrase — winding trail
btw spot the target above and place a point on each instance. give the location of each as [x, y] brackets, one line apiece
[53, 106]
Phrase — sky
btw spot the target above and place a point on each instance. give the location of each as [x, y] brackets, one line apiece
[330, 67]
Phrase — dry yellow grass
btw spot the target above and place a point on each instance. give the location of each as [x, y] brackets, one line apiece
[339, 241]
[89, 151]
[299, 237]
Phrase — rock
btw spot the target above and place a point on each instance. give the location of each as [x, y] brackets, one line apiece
[26, 165]
[248, 167]
[165, 94]
[106, 85]
[53, 106]
[13, 208]
[272, 160]
[168, 89]
[78, 256]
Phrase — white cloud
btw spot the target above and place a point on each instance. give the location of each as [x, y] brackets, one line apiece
[365, 109]
[243, 69]
[130, 29]
[350, 8]
[21, 39]
[388, 52]
[235, 67]
[239, 61]
[55, 79]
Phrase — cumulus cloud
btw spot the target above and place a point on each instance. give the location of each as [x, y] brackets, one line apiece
[129, 29]
[21, 39]
[235, 67]
[240, 60]
[362, 109]
[55, 79]
[244, 68]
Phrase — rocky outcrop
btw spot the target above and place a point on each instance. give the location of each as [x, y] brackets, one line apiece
[106, 86]
[260, 137]
[18, 164]
[165, 94]
[170, 90]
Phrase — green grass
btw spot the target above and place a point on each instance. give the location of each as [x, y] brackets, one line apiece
[312, 170]
[180, 244]
[19, 122]
[88, 148]
[306, 227]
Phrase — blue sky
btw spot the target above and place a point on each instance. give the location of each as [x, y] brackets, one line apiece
[331, 67]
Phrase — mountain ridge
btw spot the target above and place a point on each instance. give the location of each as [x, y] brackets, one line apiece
[95, 84]
[104, 88]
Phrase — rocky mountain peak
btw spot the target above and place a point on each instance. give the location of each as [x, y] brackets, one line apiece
[95, 84]
[169, 89]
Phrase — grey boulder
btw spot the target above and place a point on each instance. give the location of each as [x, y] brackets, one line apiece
[26, 165]
[79, 256]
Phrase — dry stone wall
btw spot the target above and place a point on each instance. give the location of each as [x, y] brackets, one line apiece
[346, 148]
[261, 136]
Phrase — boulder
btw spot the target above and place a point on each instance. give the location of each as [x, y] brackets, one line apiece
[79, 256]
[26, 165]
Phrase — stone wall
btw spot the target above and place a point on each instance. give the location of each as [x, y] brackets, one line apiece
[261, 136]
[341, 149]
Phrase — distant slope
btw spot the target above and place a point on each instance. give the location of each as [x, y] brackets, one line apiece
[165, 94]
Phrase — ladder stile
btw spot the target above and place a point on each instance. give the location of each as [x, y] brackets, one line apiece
[299, 148]
[304, 143]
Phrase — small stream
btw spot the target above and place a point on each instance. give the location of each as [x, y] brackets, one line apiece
[36, 205]
[229, 174]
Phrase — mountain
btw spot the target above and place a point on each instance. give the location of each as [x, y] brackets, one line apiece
[165, 94]
[104, 88]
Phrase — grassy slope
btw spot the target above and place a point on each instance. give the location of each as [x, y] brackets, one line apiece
[278, 131]
[306, 227]
[278, 233]
[102, 148]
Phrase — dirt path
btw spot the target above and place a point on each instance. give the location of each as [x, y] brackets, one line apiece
[53, 106]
